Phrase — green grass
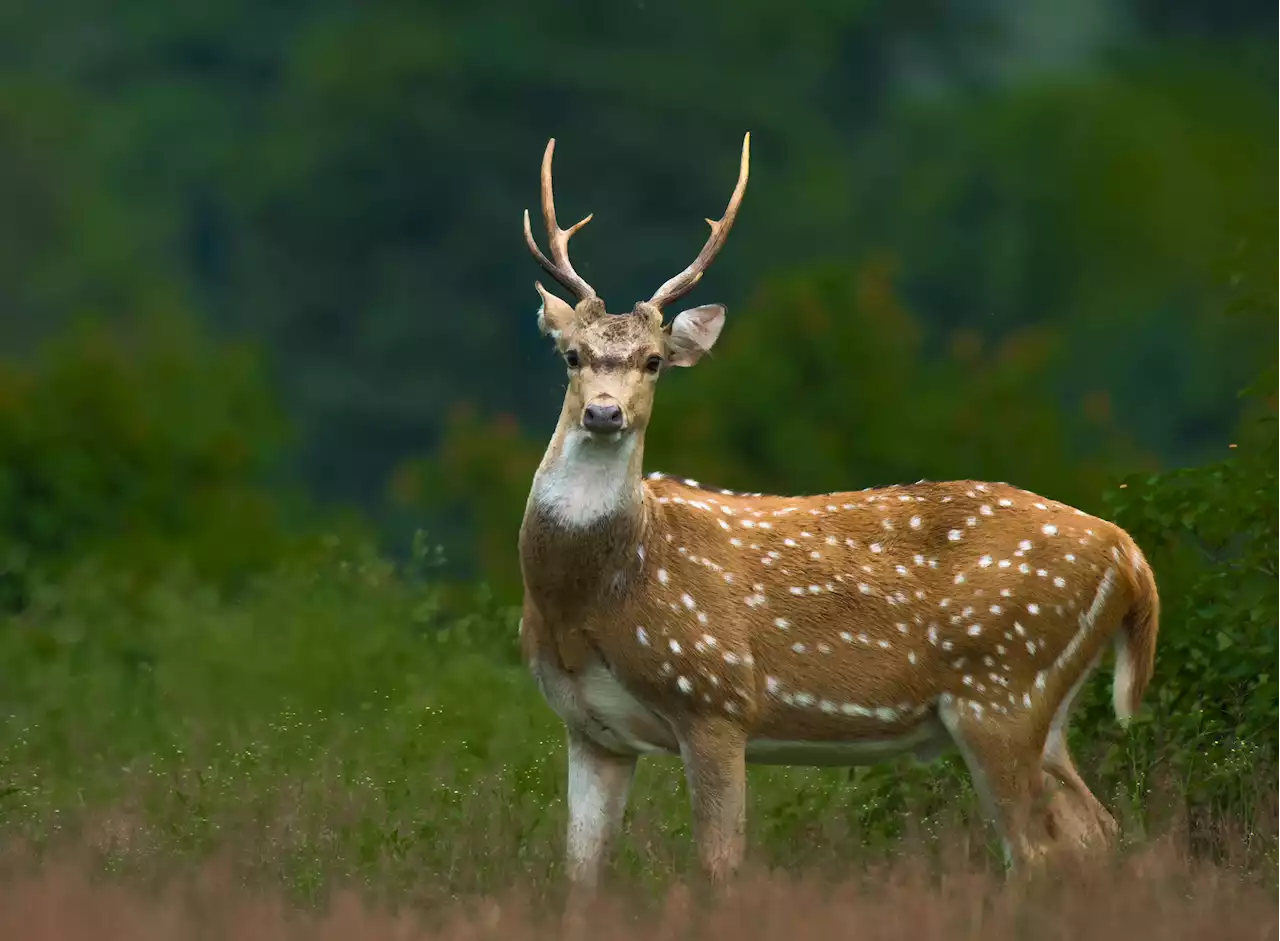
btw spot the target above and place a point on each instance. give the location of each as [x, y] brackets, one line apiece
[333, 726]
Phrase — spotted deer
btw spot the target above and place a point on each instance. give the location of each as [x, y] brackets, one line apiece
[662, 616]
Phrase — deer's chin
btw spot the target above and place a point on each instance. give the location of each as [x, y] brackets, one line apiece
[605, 438]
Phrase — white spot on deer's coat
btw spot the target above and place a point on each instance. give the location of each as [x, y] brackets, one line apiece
[955, 535]
[643, 636]
[1049, 529]
[686, 687]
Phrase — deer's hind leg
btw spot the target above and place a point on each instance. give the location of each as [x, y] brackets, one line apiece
[1099, 827]
[1002, 752]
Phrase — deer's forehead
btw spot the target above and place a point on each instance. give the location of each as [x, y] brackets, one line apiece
[617, 336]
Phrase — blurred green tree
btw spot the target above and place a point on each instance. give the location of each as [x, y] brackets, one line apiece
[144, 443]
[345, 183]
[1120, 208]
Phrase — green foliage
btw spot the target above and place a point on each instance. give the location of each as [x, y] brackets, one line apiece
[824, 382]
[1116, 209]
[336, 723]
[345, 184]
[140, 444]
[330, 710]
[1211, 535]
[481, 471]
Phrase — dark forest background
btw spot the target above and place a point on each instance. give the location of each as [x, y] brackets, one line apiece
[986, 239]
[267, 322]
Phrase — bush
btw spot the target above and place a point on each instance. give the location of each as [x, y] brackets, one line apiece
[1211, 535]
[335, 724]
[141, 443]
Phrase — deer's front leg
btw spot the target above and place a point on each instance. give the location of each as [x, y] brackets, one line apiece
[714, 755]
[599, 782]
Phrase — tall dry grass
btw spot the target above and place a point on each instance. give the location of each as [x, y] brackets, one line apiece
[1157, 891]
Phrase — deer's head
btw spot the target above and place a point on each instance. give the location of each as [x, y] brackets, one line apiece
[614, 360]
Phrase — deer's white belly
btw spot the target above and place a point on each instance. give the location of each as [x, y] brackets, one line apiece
[597, 705]
[926, 741]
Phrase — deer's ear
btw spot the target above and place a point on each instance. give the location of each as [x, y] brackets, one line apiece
[555, 315]
[693, 333]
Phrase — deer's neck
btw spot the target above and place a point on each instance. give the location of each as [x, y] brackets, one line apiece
[583, 483]
[585, 519]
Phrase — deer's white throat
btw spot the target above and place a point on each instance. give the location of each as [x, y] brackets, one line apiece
[587, 480]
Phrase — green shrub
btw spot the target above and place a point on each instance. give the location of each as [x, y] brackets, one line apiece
[335, 723]
[141, 443]
[1211, 535]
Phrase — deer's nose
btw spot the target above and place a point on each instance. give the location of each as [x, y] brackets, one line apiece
[602, 418]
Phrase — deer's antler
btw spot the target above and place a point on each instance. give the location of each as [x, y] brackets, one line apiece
[683, 283]
[557, 238]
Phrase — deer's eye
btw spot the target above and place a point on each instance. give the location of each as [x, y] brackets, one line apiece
[653, 363]
[571, 359]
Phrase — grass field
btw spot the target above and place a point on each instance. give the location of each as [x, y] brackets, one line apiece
[332, 746]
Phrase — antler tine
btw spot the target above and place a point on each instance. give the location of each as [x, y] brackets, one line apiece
[683, 283]
[557, 238]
